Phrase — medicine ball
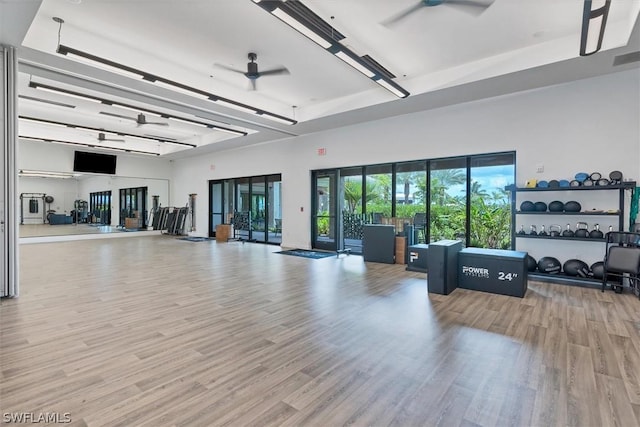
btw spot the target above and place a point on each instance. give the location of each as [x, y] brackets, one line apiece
[597, 269]
[48, 199]
[556, 206]
[532, 264]
[527, 206]
[549, 265]
[576, 267]
[540, 206]
[572, 206]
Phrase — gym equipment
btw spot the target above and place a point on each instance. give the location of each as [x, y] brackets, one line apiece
[33, 207]
[587, 183]
[575, 267]
[493, 270]
[532, 264]
[597, 270]
[581, 176]
[192, 211]
[554, 183]
[532, 231]
[378, 243]
[575, 183]
[521, 231]
[543, 232]
[582, 229]
[556, 206]
[572, 206]
[622, 260]
[615, 178]
[543, 184]
[568, 232]
[595, 176]
[596, 233]
[603, 182]
[418, 255]
[540, 206]
[527, 206]
[549, 265]
[442, 263]
[564, 183]
[555, 230]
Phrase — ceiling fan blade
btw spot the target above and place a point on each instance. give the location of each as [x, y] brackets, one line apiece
[274, 72]
[155, 123]
[400, 16]
[253, 84]
[471, 7]
[118, 115]
[226, 67]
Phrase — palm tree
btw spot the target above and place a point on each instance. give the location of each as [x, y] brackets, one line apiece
[443, 179]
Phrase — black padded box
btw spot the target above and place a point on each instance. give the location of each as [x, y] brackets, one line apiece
[493, 270]
[379, 243]
[442, 263]
[417, 257]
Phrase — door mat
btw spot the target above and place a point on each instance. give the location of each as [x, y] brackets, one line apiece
[195, 239]
[305, 253]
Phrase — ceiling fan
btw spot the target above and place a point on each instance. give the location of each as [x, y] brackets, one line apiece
[252, 72]
[140, 120]
[475, 7]
[102, 137]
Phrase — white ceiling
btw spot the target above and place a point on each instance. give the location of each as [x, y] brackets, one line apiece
[441, 55]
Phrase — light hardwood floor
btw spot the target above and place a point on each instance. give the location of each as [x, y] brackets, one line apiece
[157, 331]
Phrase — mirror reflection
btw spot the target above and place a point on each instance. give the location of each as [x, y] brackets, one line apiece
[59, 203]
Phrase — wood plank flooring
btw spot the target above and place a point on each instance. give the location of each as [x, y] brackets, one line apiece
[157, 331]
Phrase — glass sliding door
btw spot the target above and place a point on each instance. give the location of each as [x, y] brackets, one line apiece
[490, 209]
[274, 209]
[378, 193]
[448, 199]
[242, 229]
[411, 198]
[325, 210]
[352, 210]
[133, 208]
[100, 208]
[216, 206]
[258, 209]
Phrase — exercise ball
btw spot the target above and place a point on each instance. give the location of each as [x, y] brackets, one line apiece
[556, 206]
[572, 206]
[576, 267]
[527, 206]
[540, 206]
[549, 265]
[532, 264]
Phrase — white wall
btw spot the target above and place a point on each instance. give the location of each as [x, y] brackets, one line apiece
[587, 125]
[63, 191]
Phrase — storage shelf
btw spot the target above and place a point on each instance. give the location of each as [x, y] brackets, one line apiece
[588, 213]
[585, 239]
[625, 185]
[565, 279]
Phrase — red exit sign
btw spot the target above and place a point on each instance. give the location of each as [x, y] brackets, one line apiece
[322, 151]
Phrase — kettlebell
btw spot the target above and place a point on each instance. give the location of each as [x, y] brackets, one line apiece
[596, 233]
[533, 231]
[582, 229]
[521, 231]
[568, 232]
[555, 230]
[543, 232]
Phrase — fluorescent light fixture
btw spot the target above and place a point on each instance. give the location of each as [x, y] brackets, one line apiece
[295, 24]
[207, 125]
[397, 92]
[160, 81]
[234, 106]
[82, 144]
[46, 101]
[45, 122]
[45, 174]
[594, 20]
[103, 63]
[231, 131]
[355, 64]
[58, 91]
[175, 88]
[275, 118]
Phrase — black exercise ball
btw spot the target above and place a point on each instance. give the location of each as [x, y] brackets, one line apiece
[527, 206]
[532, 264]
[576, 267]
[540, 206]
[572, 206]
[597, 269]
[556, 206]
[549, 265]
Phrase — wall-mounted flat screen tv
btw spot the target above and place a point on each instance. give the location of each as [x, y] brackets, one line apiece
[94, 163]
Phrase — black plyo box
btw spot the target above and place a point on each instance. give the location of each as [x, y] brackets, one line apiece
[417, 257]
[442, 263]
[493, 270]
